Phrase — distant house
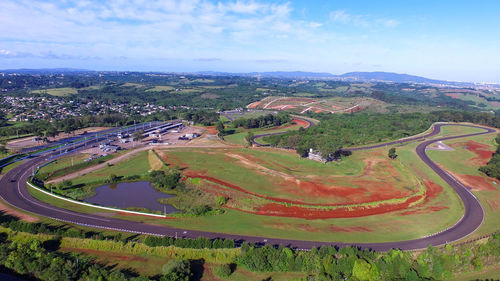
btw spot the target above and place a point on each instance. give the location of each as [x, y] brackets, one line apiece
[189, 136]
[316, 156]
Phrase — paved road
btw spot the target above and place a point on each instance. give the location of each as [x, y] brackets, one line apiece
[13, 190]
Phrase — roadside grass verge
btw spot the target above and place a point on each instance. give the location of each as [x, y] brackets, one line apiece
[137, 164]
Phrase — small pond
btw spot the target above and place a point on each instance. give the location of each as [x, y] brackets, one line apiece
[130, 194]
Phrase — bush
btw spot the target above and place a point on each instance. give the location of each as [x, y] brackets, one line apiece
[168, 181]
[200, 210]
[477, 263]
[221, 200]
[224, 271]
[176, 270]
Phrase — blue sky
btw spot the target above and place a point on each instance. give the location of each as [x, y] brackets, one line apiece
[453, 40]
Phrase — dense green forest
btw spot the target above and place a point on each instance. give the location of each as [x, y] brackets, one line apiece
[492, 169]
[204, 117]
[269, 120]
[337, 131]
[44, 128]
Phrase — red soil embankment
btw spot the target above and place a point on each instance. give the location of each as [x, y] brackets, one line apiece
[254, 104]
[483, 151]
[275, 209]
[282, 210]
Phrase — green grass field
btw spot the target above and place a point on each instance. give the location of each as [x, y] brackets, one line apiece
[160, 89]
[59, 92]
[266, 177]
[135, 165]
[385, 227]
[480, 101]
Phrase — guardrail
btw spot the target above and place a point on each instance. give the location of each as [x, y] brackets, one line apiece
[92, 205]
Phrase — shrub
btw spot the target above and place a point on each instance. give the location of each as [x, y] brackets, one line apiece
[224, 271]
[176, 270]
[200, 210]
[221, 200]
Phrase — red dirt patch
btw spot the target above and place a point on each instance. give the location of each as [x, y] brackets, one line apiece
[211, 130]
[432, 190]
[349, 229]
[274, 209]
[455, 96]
[424, 210]
[254, 104]
[494, 202]
[495, 103]
[301, 122]
[307, 227]
[477, 182]
[324, 191]
[483, 151]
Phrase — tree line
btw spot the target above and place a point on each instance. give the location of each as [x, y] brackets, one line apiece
[269, 120]
[492, 169]
[337, 131]
[45, 128]
[351, 263]
[40, 259]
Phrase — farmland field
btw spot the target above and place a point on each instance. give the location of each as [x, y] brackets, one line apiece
[306, 104]
[60, 92]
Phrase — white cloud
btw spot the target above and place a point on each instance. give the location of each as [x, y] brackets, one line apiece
[144, 28]
[343, 17]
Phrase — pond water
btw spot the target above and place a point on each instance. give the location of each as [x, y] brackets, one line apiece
[130, 194]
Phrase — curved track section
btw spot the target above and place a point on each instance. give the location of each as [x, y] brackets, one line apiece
[13, 190]
[256, 142]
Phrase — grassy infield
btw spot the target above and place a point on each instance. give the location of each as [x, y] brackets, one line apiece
[387, 227]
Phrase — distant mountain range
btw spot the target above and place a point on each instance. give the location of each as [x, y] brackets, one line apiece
[378, 76]
[45, 70]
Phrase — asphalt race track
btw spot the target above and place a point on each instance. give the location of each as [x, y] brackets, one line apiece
[14, 191]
